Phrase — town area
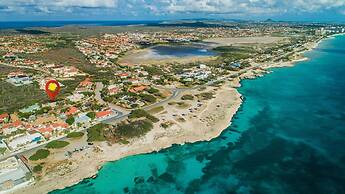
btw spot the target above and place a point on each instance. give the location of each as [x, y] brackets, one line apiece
[108, 101]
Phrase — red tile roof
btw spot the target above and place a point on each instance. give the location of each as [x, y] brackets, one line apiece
[137, 89]
[45, 130]
[3, 116]
[87, 82]
[103, 113]
[123, 74]
[14, 124]
[60, 125]
[71, 111]
[113, 90]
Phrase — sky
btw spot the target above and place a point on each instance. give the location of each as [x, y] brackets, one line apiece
[59, 10]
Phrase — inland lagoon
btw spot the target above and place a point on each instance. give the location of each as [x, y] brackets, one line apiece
[167, 53]
[172, 51]
[288, 137]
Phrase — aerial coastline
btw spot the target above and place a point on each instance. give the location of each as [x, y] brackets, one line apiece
[117, 101]
[217, 113]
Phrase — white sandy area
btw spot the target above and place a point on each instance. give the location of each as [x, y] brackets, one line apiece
[245, 40]
[149, 56]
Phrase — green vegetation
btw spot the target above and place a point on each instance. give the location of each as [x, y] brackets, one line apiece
[96, 133]
[234, 53]
[2, 150]
[180, 104]
[13, 98]
[75, 135]
[70, 120]
[37, 168]
[153, 70]
[140, 113]
[57, 144]
[39, 155]
[206, 95]
[91, 115]
[14, 133]
[133, 129]
[153, 91]
[187, 97]
[166, 125]
[156, 110]
[38, 112]
[65, 53]
[69, 87]
[148, 98]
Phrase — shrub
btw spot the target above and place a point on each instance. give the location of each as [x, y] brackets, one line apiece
[133, 129]
[2, 150]
[187, 97]
[37, 169]
[57, 144]
[70, 120]
[148, 98]
[40, 154]
[140, 113]
[75, 135]
[152, 90]
[206, 95]
[91, 115]
[96, 133]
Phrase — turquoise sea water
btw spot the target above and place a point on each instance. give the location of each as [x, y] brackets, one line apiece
[291, 139]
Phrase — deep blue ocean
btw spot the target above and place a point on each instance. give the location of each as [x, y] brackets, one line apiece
[288, 137]
[30, 24]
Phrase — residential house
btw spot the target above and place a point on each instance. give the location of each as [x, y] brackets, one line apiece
[46, 131]
[71, 111]
[20, 80]
[87, 83]
[4, 118]
[24, 140]
[82, 118]
[113, 89]
[138, 89]
[76, 97]
[29, 109]
[12, 173]
[123, 75]
[103, 114]
[11, 127]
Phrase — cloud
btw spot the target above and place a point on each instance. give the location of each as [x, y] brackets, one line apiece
[250, 6]
[85, 3]
[49, 6]
[172, 7]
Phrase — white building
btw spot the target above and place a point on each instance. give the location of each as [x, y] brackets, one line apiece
[12, 172]
[76, 97]
[24, 140]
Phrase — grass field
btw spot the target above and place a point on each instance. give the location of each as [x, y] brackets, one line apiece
[39, 155]
[13, 98]
[67, 55]
[75, 135]
[57, 144]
